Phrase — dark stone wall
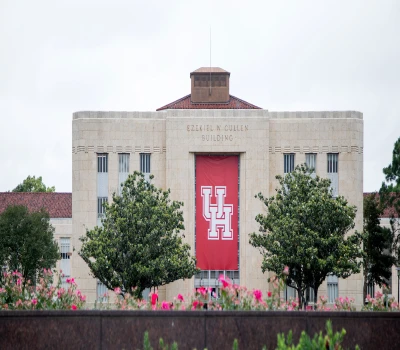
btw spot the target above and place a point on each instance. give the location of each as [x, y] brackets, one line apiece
[191, 329]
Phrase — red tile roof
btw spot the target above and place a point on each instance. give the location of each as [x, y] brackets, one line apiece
[58, 205]
[186, 103]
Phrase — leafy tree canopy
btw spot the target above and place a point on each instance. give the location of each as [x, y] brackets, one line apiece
[27, 242]
[390, 195]
[32, 184]
[377, 244]
[392, 171]
[138, 245]
[304, 228]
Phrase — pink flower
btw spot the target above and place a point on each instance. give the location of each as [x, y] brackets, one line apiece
[286, 270]
[60, 292]
[73, 307]
[202, 291]
[257, 294]
[68, 280]
[154, 298]
[180, 297]
[117, 291]
[194, 305]
[34, 301]
[165, 305]
[269, 294]
[224, 282]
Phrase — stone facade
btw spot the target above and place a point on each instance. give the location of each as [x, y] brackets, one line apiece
[174, 137]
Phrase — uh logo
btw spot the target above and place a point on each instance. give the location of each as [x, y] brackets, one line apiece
[219, 214]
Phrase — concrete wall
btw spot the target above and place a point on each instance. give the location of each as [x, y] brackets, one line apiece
[190, 329]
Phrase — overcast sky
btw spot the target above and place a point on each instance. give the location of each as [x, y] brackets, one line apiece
[58, 57]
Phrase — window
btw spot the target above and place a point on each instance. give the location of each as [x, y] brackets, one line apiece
[145, 164]
[288, 162]
[290, 293]
[311, 161]
[333, 173]
[102, 184]
[371, 289]
[101, 293]
[100, 207]
[102, 163]
[123, 169]
[309, 294]
[210, 279]
[65, 262]
[333, 288]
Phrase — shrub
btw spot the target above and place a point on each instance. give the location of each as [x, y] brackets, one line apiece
[17, 294]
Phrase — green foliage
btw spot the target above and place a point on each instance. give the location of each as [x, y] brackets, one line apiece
[304, 228]
[390, 195]
[139, 245]
[235, 345]
[146, 342]
[377, 245]
[392, 171]
[26, 242]
[319, 342]
[31, 184]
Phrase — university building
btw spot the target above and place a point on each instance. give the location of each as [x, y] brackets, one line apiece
[215, 152]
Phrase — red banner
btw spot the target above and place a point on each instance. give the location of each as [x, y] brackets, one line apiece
[217, 212]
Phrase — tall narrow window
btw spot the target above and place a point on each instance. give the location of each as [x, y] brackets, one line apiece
[123, 169]
[145, 164]
[290, 293]
[65, 262]
[288, 162]
[102, 184]
[311, 162]
[101, 292]
[333, 173]
[309, 293]
[100, 206]
[333, 288]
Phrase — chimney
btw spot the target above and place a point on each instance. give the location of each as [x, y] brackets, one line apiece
[202, 92]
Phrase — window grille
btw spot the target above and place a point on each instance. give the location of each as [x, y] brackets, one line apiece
[288, 162]
[145, 165]
[65, 262]
[209, 278]
[333, 173]
[102, 292]
[310, 295]
[371, 289]
[332, 163]
[333, 288]
[100, 207]
[102, 163]
[311, 161]
[123, 169]
[290, 293]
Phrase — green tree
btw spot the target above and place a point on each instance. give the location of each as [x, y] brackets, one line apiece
[32, 184]
[27, 242]
[304, 228]
[377, 245]
[138, 245]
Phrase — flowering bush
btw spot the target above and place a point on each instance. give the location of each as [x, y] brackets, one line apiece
[18, 294]
[381, 302]
[232, 297]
